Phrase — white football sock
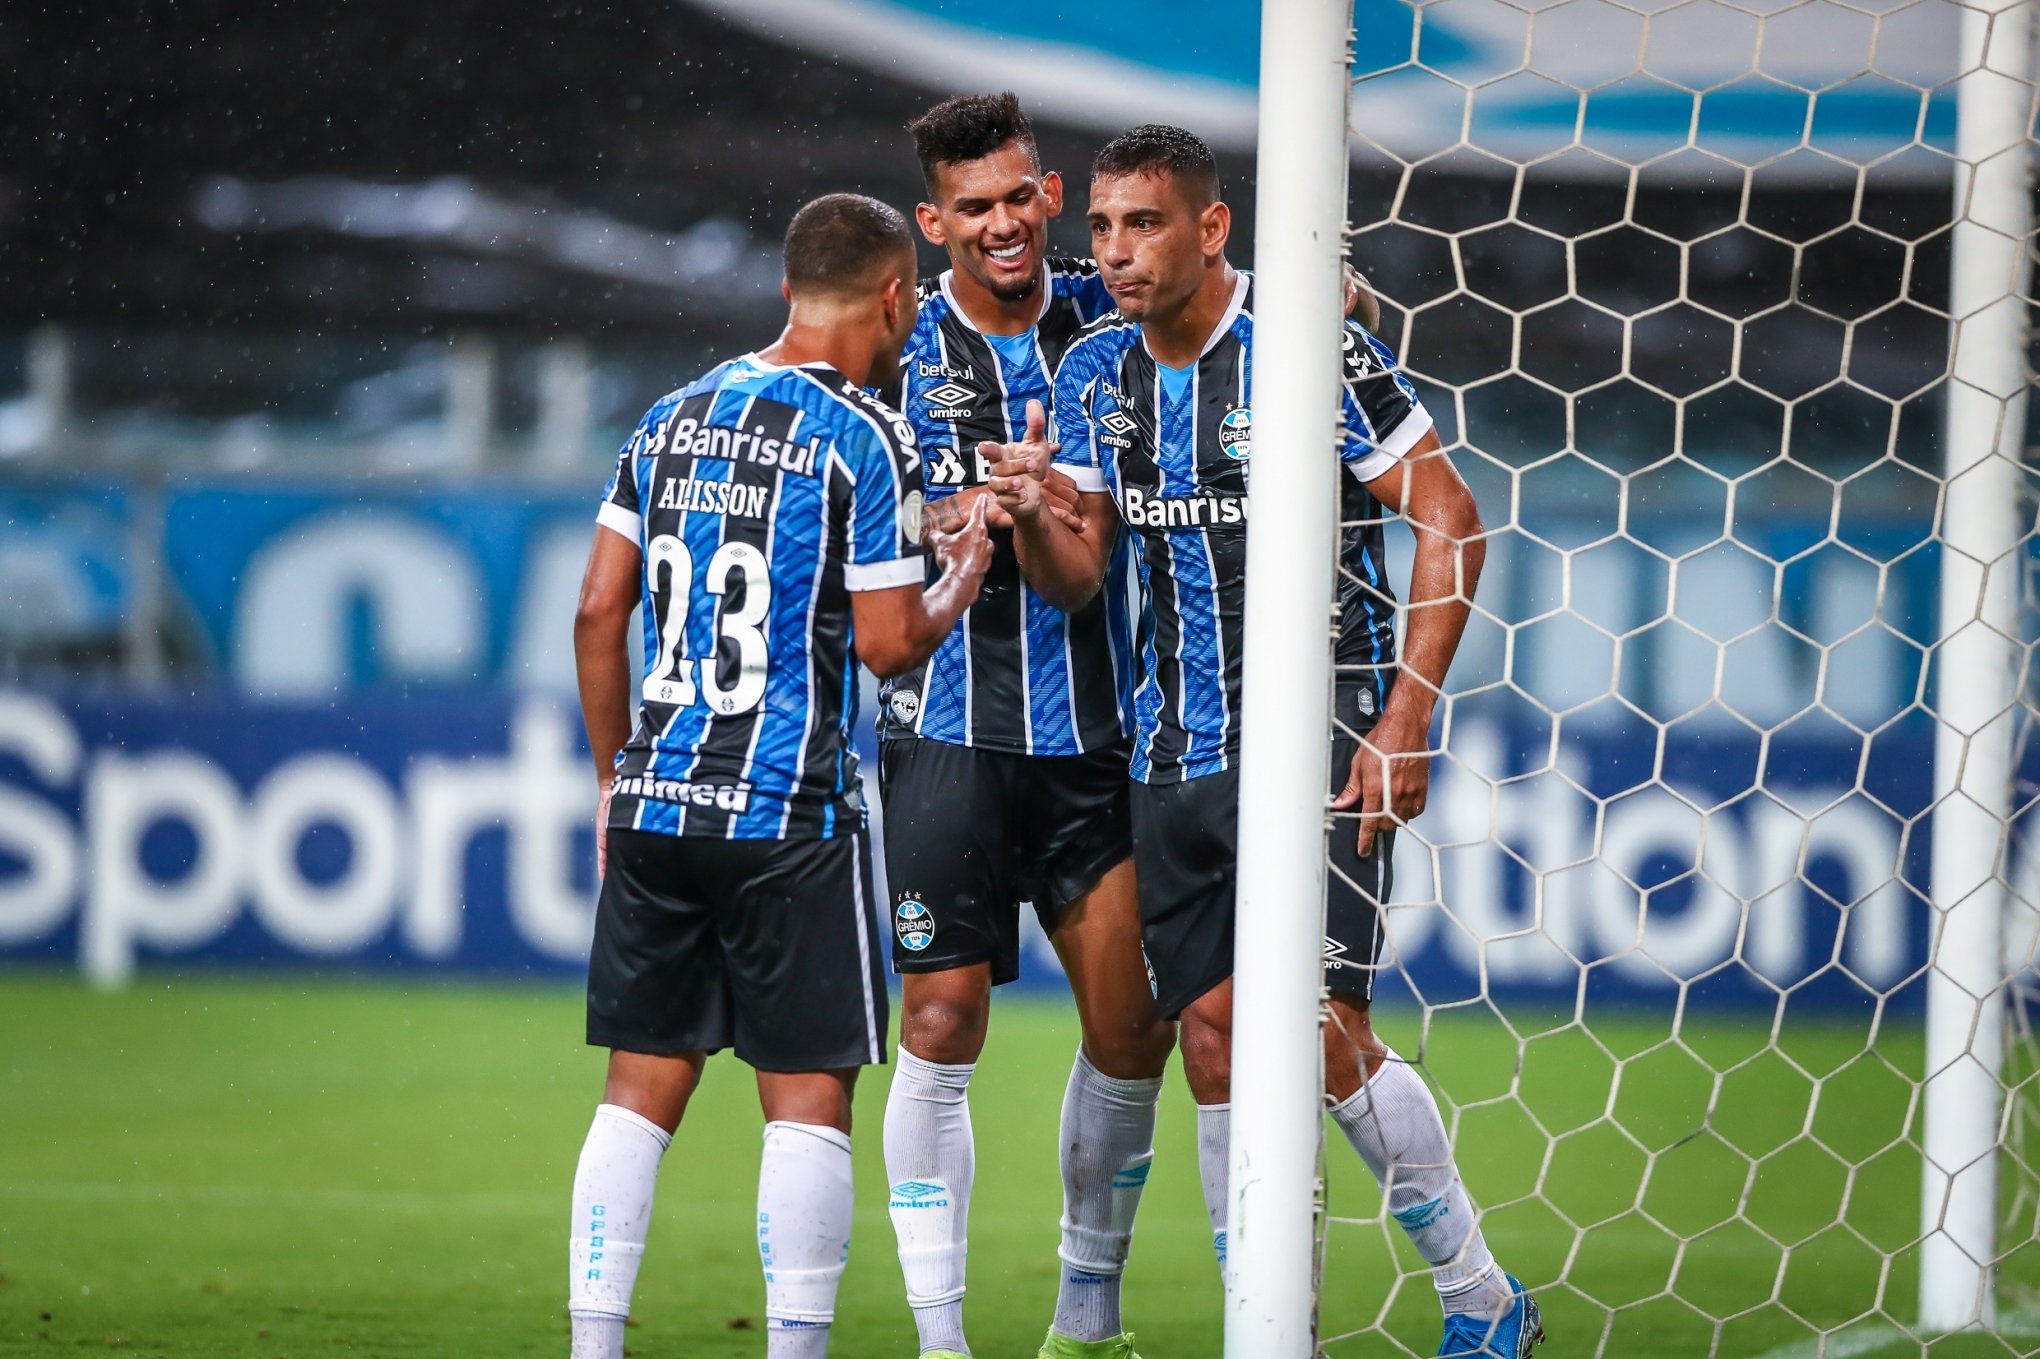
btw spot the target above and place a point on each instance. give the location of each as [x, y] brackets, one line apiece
[1393, 1122]
[613, 1188]
[805, 1204]
[930, 1160]
[796, 1339]
[1214, 1168]
[1108, 1135]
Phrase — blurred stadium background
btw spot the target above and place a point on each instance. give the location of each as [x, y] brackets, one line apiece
[319, 331]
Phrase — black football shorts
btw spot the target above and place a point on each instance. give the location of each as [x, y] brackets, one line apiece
[971, 834]
[766, 946]
[1186, 866]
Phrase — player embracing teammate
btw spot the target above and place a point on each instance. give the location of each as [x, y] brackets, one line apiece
[1153, 408]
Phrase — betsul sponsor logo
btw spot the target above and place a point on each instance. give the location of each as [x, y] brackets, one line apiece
[404, 885]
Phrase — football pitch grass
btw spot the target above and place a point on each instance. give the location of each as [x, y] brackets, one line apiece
[287, 1167]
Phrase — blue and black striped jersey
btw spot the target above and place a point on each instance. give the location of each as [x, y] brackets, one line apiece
[1172, 448]
[1015, 673]
[761, 497]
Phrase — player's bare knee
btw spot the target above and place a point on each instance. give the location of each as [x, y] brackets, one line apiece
[820, 1099]
[1130, 1048]
[1207, 1058]
[655, 1088]
[944, 1015]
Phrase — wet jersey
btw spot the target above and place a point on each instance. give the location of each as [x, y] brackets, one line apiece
[762, 497]
[1172, 447]
[1015, 673]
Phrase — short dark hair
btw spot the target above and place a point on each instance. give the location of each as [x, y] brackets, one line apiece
[970, 127]
[1157, 149]
[837, 243]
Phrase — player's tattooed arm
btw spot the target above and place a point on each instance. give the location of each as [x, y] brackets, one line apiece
[609, 595]
[898, 628]
[1062, 553]
[1390, 779]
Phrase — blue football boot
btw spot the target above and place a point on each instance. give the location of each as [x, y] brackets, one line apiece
[1519, 1330]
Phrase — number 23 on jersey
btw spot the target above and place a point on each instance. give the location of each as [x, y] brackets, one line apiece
[669, 575]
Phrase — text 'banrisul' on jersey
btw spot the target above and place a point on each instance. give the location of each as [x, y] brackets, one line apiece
[761, 497]
[1173, 448]
[1015, 673]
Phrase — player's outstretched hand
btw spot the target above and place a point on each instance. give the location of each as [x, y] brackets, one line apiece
[1020, 474]
[965, 551]
[1395, 759]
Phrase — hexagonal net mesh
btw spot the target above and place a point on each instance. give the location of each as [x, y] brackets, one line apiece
[1674, 280]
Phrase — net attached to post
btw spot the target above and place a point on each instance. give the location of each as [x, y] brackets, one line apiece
[1675, 281]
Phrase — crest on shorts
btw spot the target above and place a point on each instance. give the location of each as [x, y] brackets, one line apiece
[905, 706]
[913, 924]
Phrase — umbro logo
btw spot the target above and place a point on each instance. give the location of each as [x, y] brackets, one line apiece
[918, 1194]
[1119, 422]
[946, 402]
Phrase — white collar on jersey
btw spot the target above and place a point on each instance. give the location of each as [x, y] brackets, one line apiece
[766, 365]
[1047, 297]
[1242, 278]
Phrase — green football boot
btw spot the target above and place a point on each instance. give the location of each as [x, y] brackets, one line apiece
[1062, 1347]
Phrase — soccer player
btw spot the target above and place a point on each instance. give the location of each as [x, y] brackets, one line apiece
[1154, 412]
[1003, 766]
[767, 516]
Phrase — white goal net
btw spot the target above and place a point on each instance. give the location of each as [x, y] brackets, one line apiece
[1676, 280]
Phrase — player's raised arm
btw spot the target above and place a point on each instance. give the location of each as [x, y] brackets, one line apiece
[899, 627]
[1062, 555]
[1391, 774]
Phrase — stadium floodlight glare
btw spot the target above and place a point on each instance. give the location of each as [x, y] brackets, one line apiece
[1977, 664]
[1277, 1079]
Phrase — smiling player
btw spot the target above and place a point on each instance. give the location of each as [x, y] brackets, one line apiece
[1003, 766]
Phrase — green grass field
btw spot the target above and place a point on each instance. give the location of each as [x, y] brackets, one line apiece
[297, 1168]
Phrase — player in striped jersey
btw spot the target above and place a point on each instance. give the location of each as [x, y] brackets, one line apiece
[767, 516]
[1153, 407]
[1003, 766]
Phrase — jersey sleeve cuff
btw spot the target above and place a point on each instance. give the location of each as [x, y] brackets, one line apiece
[616, 518]
[1086, 479]
[1394, 446]
[885, 575]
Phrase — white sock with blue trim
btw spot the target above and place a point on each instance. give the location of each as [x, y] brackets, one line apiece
[1214, 1171]
[613, 1187]
[1108, 1143]
[1394, 1123]
[930, 1161]
[805, 1205]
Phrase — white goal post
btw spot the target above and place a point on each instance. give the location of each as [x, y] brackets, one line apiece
[1977, 664]
[1300, 241]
